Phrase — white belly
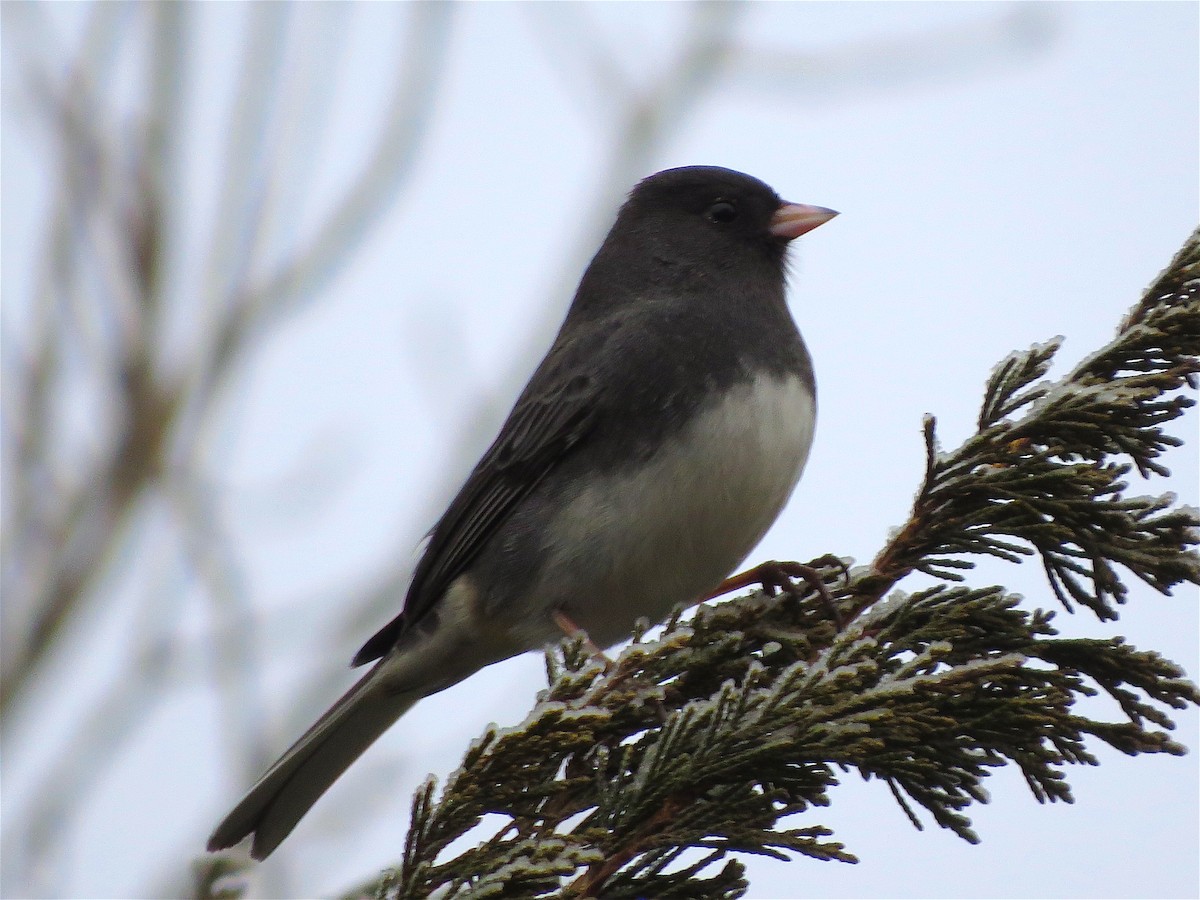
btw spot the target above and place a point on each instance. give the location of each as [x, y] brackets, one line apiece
[639, 543]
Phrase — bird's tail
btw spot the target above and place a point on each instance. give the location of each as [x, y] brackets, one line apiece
[271, 809]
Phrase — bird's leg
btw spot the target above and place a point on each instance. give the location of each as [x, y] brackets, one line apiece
[571, 630]
[774, 574]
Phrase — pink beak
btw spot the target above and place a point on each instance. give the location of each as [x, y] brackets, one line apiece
[794, 219]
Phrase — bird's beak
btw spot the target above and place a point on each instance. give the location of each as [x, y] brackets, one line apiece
[794, 219]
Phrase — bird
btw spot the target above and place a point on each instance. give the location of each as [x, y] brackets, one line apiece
[648, 454]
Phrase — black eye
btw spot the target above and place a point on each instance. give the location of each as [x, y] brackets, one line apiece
[722, 211]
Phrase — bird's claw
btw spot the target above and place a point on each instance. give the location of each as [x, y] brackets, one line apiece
[777, 575]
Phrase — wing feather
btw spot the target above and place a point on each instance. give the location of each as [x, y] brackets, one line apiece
[542, 428]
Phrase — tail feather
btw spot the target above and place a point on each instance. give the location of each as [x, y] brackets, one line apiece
[271, 809]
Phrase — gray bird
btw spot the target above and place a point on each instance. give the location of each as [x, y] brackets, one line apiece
[649, 453]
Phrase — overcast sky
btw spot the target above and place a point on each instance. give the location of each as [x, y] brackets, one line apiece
[1005, 174]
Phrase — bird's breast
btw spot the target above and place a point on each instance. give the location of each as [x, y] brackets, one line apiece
[639, 540]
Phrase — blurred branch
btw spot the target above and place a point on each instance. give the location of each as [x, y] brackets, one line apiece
[32, 364]
[361, 207]
[150, 401]
[95, 337]
[66, 525]
[947, 54]
[405, 123]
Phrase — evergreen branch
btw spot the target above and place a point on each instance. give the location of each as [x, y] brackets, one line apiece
[1052, 480]
[639, 778]
[1018, 370]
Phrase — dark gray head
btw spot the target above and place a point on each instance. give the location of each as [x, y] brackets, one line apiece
[704, 210]
[700, 218]
[710, 208]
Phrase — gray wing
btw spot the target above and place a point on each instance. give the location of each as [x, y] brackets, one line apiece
[542, 428]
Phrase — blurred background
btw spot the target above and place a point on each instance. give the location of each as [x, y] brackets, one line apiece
[273, 274]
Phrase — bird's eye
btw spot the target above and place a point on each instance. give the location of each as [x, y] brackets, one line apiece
[722, 212]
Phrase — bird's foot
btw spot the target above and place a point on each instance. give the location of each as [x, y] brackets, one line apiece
[573, 631]
[775, 575]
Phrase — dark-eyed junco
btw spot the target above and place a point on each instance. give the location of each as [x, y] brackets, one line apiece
[649, 453]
